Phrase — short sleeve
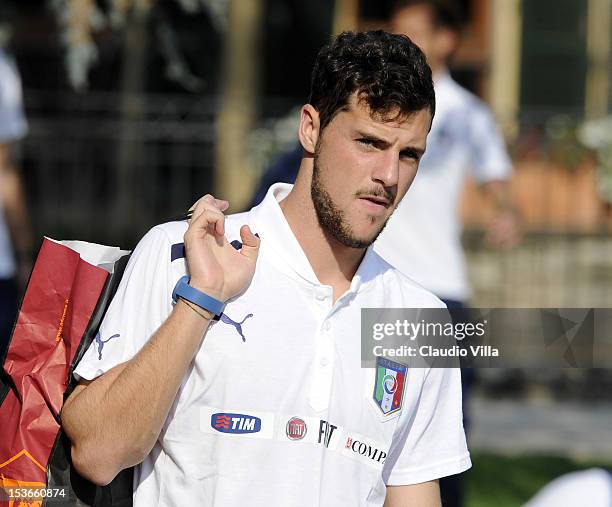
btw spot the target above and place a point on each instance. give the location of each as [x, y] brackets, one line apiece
[432, 445]
[141, 304]
[13, 124]
[490, 158]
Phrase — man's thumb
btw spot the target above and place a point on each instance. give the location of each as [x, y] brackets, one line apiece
[250, 243]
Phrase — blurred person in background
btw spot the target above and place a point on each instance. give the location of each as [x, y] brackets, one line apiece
[423, 238]
[591, 487]
[283, 170]
[15, 235]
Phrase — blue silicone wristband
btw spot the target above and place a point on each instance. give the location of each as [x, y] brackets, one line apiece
[184, 290]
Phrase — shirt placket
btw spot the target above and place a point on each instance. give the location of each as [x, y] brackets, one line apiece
[323, 365]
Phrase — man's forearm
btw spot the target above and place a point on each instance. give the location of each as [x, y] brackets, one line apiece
[499, 193]
[504, 228]
[114, 421]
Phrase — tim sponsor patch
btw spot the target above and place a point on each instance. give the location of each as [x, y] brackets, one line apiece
[238, 424]
[234, 423]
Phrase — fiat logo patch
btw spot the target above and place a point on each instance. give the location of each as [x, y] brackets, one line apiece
[296, 428]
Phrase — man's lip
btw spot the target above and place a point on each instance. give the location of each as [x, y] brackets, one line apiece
[377, 199]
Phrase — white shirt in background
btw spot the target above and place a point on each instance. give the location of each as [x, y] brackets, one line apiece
[423, 237]
[591, 487]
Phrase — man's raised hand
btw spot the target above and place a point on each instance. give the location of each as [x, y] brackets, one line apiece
[216, 267]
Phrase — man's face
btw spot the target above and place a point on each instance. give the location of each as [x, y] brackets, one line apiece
[418, 23]
[363, 166]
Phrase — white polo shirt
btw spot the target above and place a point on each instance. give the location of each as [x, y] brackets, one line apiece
[275, 408]
[423, 237]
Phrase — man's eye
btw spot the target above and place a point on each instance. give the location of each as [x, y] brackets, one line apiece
[366, 142]
[412, 155]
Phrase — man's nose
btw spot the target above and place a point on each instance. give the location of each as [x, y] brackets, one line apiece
[387, 168]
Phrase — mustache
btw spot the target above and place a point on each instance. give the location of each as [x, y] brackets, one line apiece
[387, 194]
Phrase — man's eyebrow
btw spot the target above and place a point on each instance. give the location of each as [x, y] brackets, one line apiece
[408, 150]
[372, 137]
[412, 151]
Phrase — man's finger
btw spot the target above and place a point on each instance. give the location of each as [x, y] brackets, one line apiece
[208, 202]
[220, 204]
[250, 243]
[210, 220]
[198, 208]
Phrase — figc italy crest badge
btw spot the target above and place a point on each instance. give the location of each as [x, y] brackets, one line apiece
[389, 385]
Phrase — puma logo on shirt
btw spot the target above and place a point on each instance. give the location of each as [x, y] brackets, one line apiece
[101, 343]
[238, 325]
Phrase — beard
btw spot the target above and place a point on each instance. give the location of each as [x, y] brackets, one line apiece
[331, 218]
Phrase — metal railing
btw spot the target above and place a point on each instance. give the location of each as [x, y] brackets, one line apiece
[104, 168]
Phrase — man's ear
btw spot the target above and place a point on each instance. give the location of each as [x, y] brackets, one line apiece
[309, 128]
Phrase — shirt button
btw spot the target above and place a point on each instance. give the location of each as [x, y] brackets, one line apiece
[320, 297]
[327, 325]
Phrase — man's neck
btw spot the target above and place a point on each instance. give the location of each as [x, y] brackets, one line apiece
[333, 263]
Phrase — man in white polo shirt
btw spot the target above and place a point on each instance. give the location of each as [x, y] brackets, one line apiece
[267, 404]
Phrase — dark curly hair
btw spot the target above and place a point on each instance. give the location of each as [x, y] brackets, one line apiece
[388, 72]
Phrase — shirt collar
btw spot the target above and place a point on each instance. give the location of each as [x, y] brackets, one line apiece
[274, 231]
